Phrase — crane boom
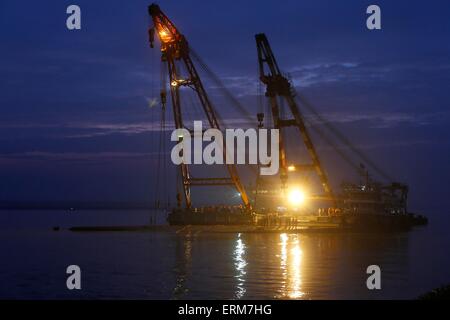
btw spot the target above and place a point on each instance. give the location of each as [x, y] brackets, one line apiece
[277, 85]
[175, 49]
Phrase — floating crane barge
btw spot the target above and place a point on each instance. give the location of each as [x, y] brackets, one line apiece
[365, 206]
[368, 205]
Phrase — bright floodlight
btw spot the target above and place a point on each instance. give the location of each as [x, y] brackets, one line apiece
[296, 197]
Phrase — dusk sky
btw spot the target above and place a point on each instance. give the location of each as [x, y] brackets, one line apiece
[75, 121]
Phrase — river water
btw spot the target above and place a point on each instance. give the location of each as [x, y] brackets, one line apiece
[197, 265]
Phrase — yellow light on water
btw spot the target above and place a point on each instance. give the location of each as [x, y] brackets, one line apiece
[296, 196]
[291, 168]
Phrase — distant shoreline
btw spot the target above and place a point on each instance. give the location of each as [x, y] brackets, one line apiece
[74, 206]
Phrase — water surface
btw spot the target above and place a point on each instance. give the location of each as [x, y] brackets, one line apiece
[196, 265]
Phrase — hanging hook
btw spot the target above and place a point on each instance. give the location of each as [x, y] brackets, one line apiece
[163, 99]
[151, 36]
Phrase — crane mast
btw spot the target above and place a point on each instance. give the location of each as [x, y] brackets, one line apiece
[175, 50]
[277, 85]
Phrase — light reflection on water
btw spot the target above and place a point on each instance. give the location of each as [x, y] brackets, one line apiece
[290, 264]
[240, 264]
[183, 265]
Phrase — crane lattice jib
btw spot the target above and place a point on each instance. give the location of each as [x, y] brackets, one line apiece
[277, 85]
[175, 48]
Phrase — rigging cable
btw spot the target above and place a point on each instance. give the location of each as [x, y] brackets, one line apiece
[222, 87]
[341, 137]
